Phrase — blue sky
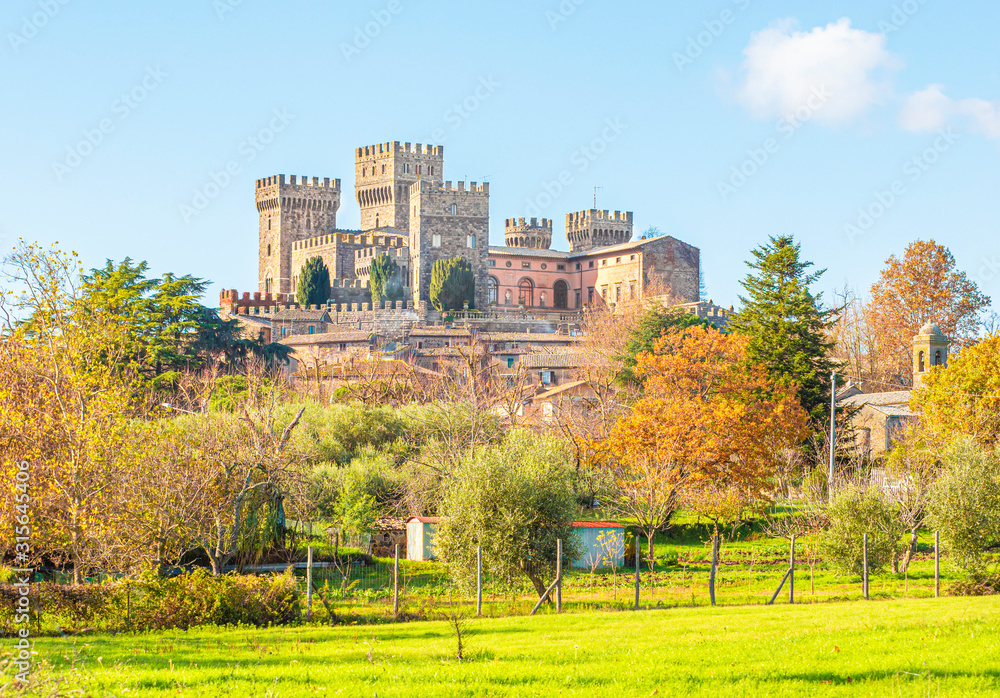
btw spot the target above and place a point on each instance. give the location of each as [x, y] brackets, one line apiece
[655, 102]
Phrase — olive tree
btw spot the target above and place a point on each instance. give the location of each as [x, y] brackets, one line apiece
[514, 499]
[858, 510]
[965, 503]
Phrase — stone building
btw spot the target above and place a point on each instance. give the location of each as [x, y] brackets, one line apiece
[410, 211]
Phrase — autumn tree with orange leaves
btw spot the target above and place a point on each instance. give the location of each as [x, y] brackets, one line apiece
[708, 414]
[923, 286]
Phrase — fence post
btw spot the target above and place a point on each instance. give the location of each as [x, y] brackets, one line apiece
[559, 575]
[791, 574]
[864, 577]
[309, 583]
[715, 560]
[637, 568]
[479, 582]
[395, 584]
[937, 564]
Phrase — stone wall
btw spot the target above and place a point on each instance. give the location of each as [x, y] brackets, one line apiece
[587, 230]
[519, 232]
[450, 222]
[289, 211]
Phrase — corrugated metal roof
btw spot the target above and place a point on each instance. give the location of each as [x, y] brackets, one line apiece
[596, 524]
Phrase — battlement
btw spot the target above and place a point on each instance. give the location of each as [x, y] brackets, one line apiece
[351, 237]
[511, 223]
[593, 215]
[423, 186]
[298, 181]
[349, 283]
[395, 147]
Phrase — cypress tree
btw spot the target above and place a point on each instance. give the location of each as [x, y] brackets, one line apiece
[384, 281]
[452, 284]
[786, 323]
[314, 283]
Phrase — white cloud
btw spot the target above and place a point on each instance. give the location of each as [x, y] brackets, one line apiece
[931, 109]
[783, 67]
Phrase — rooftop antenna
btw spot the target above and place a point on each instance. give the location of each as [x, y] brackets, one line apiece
[596, 189]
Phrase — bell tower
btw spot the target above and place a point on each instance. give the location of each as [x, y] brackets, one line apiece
[930, 349]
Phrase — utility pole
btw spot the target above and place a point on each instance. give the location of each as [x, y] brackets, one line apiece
[833, 432]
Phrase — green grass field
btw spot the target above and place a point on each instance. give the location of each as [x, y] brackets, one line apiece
[914, 647]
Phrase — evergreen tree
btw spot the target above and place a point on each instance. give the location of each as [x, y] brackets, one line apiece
[786, 323]
[314, 283]
[385, 282]
[452, 284]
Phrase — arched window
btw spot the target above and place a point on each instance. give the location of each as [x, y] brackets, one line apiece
[268, 284]
[454, 209]
[269, 250]
[526, 293]
[376, 220]
[560, 295]
[506, 298]
[937, 358]
[920, 363]
[494, 286]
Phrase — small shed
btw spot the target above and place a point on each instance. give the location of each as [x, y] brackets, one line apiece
[602, 541]
[420, 537]
[387, 533]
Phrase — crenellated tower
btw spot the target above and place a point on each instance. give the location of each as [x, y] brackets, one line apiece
[449, 222]
[529, 234]
[587, 230]
[383, 176]
[291, 210]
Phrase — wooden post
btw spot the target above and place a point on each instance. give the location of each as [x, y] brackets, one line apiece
[479, 582]
[559, 575]
[309, 583]
[711, 575]
[864, 577]
[791, 573]
[638, 566]
[395, 584]
[937, 564]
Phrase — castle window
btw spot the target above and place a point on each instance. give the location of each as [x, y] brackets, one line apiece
[618, 260]
[526, 265]
[526, 293]
[618, 293]
[494, 288]
[920, 362]
[269, 226]
[312, 329]
[342, 346]
[632, 258]
[577, 300]
[590, 294]
[472, 242]
[432, 171]
[284, 331]
[937, 358]
[383, 169]
[560, 267]
[269, 247]
[436, 241]
[591, 265]
[493, 262]
[454, 209]
[604, 293]
[579, 266]
[418, 169]
[631, 290]
[604, 262]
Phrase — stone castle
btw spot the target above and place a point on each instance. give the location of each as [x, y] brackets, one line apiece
[410, 212]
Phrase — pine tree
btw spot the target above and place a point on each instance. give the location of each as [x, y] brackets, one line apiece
[452, 284]
[314, 283]
[786, 323]
[385, 282]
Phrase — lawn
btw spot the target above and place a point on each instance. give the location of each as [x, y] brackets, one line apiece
[913, 647]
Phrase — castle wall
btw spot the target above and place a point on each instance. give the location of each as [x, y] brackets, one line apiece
[449, 222]
[290, 211]
[587, 230]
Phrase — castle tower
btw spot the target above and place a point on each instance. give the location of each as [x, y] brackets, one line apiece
[292, 210]
[529, 234]
[930, 349]
[586, 230]
[446, 223]
[383, 176]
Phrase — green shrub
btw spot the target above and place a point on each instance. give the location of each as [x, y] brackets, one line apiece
[854, 512]
[977, 585]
